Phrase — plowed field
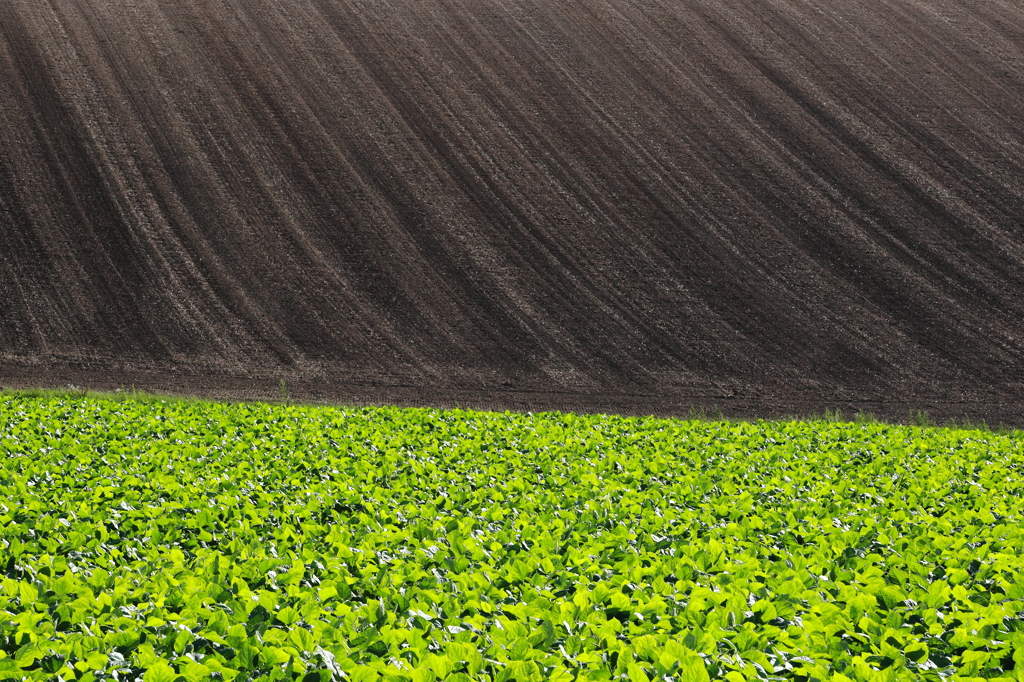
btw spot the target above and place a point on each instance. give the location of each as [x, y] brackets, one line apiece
[768, 206]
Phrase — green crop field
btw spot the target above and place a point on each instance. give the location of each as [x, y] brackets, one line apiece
[162, 541]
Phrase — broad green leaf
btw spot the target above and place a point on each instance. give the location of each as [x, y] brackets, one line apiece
[693, 670]
[160, 672]
[636, 673]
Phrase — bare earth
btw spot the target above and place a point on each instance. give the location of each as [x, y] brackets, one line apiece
[765, 206]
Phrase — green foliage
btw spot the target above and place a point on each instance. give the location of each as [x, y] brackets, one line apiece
[177, 541]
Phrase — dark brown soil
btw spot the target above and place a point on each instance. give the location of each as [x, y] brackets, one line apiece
[765, 206]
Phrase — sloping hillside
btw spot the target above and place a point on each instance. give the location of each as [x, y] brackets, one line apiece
[764, 205]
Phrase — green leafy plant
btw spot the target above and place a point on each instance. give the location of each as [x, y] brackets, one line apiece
[177, 540]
